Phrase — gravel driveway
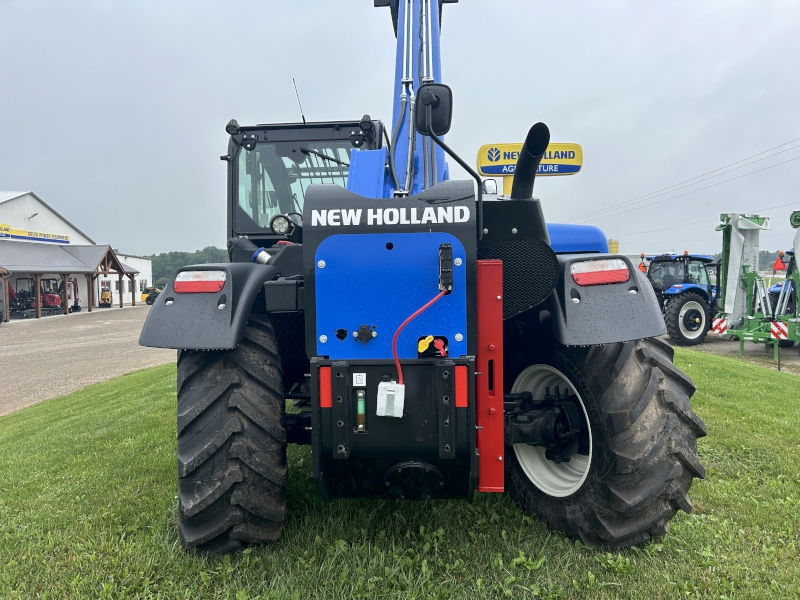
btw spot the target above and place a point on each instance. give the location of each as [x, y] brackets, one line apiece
[754, 353]
[49, 357]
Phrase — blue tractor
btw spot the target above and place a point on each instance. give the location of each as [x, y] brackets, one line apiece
[686, 294]
[438, 342]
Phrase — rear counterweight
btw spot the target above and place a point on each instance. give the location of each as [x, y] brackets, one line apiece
[428, 453]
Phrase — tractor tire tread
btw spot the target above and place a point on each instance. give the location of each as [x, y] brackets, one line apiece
[641, 472]
[232, 443]
[672, 319]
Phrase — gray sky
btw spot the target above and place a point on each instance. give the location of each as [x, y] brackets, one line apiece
[114, 112]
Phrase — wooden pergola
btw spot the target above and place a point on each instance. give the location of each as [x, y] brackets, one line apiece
[108, 264]
[89, 261]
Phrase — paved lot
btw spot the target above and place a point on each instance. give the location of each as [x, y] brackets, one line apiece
[49, 357]
[754, 353]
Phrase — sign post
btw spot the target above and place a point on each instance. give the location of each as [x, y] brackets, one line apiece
[501, 159]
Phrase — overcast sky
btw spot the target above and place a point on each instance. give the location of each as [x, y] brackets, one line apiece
[114, 112]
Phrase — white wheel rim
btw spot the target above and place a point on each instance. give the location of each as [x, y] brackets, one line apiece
[688, 333]
[552, 478]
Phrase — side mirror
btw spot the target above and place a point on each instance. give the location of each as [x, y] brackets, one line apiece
[434, 109]
[490, 187]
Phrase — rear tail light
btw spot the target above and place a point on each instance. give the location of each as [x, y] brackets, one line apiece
[199, 282]
[600, 272]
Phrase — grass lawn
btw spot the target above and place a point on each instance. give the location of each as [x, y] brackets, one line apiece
[88, 509]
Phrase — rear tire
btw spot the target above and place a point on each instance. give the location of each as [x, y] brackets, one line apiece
[232, 443]
[687, 320]
[643, 445]
[150, 300]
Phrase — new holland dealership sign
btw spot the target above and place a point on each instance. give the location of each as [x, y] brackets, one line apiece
[33, 236]
[501, 159]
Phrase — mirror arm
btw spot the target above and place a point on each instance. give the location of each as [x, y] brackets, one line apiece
[464, 166]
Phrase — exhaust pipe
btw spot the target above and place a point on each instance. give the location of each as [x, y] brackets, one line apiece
[529, 158]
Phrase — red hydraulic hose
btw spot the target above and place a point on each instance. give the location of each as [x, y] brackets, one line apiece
[399, 329]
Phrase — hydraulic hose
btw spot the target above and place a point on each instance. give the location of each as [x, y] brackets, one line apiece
[435, 178]
[425, 162]
[395, 135]
[389, 147]
[412, 142]
[402, 326]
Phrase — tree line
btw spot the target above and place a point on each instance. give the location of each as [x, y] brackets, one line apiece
[766, 258]
[164, 264]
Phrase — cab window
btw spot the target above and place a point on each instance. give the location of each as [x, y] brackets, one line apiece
[698, 273]
[273, 177]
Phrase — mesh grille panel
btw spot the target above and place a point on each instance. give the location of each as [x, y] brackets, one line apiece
[530, 272]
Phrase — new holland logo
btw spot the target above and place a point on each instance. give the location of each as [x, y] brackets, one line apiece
[338, 217]
[494, 154]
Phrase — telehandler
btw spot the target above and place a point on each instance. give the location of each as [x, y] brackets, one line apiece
[446, 342]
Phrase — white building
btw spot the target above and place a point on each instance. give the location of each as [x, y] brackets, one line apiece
[39, 246]
[141, 264]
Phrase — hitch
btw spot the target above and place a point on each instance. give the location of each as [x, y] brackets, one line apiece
[554, 422]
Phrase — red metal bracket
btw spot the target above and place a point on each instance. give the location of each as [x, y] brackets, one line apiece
[489, 384]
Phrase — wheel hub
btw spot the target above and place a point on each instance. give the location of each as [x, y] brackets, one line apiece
[553, 422]
[562, 477]
[692, 320]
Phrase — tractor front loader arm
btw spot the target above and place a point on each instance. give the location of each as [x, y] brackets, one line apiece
[597, 302]
[206, 307]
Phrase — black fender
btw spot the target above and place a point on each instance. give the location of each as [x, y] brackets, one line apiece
[206, 321]
[603, 314]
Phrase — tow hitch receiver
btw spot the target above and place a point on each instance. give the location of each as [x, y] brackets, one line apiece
[554, 422]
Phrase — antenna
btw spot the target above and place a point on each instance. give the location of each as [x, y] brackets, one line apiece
[298, 101]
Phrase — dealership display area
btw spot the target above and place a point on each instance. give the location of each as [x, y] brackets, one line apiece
[49, 266]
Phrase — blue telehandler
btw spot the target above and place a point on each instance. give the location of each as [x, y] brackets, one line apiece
[438, 342]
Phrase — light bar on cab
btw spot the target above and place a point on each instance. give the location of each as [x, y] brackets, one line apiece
[199, 282]
[600, 272]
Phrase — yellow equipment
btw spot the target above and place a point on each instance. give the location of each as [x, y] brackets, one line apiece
[106, 299]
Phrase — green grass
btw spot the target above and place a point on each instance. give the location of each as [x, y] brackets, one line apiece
[88, 509]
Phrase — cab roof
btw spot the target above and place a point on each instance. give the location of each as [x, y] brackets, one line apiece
[705, 258]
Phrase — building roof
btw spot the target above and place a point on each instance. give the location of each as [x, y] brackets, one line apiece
[129, 270]
[25, 257]
[6, 196]
[88, 255]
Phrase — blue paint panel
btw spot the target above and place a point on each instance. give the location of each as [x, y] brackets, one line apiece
[685, 287]
[366, 174]
[576, 238]
[363, 283]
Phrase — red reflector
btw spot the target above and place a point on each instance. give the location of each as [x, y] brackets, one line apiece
[462, 386]
[602, 277]
[199, 282]
[600, 272]
[325, 396]
[197, 287]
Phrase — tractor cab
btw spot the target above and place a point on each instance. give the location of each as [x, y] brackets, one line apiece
[672, 274]
[685, 292]
[271, 166]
